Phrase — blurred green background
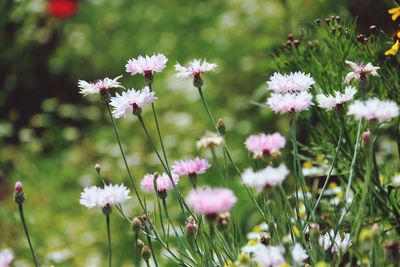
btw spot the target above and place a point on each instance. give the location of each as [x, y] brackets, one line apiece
[51, 138]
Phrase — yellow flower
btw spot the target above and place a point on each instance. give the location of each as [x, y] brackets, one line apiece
[395, 12]
[382, 179]
[307, 165]
[394, 49]
[332, 185]
[365, 235]
[296, 231]
[244, 258]
[321, 264]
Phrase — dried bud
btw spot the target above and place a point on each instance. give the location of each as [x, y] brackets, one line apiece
[19, 195]
[373, 28]
[146, 253]
[191, 229]
[327, 20]
[317, 21]
[97, 167]
[136, 225]
[221, 126]
[296, 42]
[290, 37]
[223, 221]
[139, 244]
[338, 19]
[361, 38]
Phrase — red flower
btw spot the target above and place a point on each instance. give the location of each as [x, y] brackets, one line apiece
[62, 8]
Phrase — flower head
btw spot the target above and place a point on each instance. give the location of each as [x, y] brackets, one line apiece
[339, 244]
[131, 102]
[99, 86]
[265, 178]
[210, 140]
[299, 254]
[18, 187]
[194, 68]
[110, 195]
[329, 102]
[264, 144]
[289, 103]
[191, 167]
[374, 109]
[360, 71]
[269, 256]
[394, 49]
[395, 12]
[290, 83]
[146, 65]
[211, 201]
[6, 256]
[162, 180]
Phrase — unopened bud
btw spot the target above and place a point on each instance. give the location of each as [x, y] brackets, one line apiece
[296, 42]
[366, 136]
[317, 21]
[19, 187]
[97, 167]
[327, 20]
[146, 253]
[290, 37]
[223, 221]
[221, 126]
[360, 37]
[136, 225]
[338, 19]
[191, 229]
[19, 195]
[373, 28]
[139, 244]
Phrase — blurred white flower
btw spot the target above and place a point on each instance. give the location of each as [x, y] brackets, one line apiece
[194, 68]
[6, 257]
[299, 254]
[374, 109]
[340, 245]
[265, 178]
[110, 195]
[146, 65]
[289, 103]
[360, 71]
[395, 181]
[210, 140]
[290, 83]
[329, 102]
[100, 86]
[269, 256]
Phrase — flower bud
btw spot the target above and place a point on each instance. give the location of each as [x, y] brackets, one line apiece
[366, 136]
[146, 253]
[97, 167]
[327, 20]
[338, 19]
[296, 42]
[373, 28]
[317, 21]
[19, 195]
[191, 229]
[290, 37]
[221, 126]
[223, 220]
[139, 244]
[360, 37]
[136, 225]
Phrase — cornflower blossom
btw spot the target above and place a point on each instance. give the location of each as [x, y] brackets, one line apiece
[265, 144]
[329, 102]
[340, 245]
[146, 65]
[360, 71]
[289, 103]
[99, 86]
[374, 109]
[163, 182]
[290, 83]
[6, 257]
[269, 256]
[211, 201]
[110, 195]
[299, 254]
[210, 140]
[194, 68]
[265, 178]
[131, 102]
[191, 167]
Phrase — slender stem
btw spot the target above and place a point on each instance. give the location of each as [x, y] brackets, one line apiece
[109, 239]
[124, 158]
[151, 247]
[160, 136]
[21, 214]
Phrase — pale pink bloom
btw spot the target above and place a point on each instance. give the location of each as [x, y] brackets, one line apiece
[329, 102]
[265, 178]
[290, 83]
[374, 109]
[289, 103]
[194, 68]
[191, 167]
[99, 86]
[18, 187]
[269, 256]
[339, 244]
[264, 144]
[146, 65]
[360, 71]
[211, 201]
[94, 196]
[6, 257]
[131, 101]
[299, 254]
[210, 140]
[163, 182]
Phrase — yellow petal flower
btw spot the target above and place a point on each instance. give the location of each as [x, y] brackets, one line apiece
[395, 12]
[393, 50]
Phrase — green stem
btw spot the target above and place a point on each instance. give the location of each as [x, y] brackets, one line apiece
[21, 214]
[124, 158]
[109, 239]
[160, 136]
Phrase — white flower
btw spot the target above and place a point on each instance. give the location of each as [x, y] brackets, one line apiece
[210, 140]
[265, 178]
[340, 245]
[110, 195]
[131, 101]
[360, 71]
[99, 86]
[329, 102]
[6, 256]
[374, 109]
[146, 65]
[270, 256]
[395, 181]
[193, 68]
[290, 83]
[299, 254]
[288, 103]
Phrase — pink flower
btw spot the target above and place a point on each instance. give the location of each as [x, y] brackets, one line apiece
[6, 256]
[374, 109]
[18, 187]
[191, 167]
[290, 83]
[100, 86]
[146, 65]
[163, 182]
[194, 68]
[289, 103]
[264, 144]
[131, 101]
[211, 201]
[360, 71]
